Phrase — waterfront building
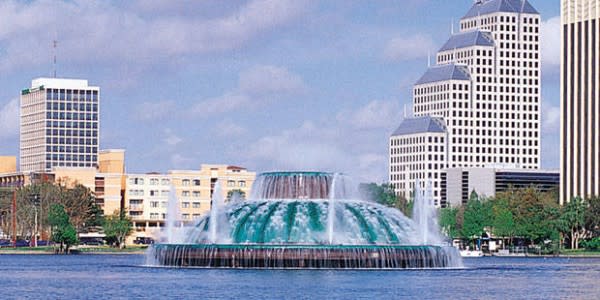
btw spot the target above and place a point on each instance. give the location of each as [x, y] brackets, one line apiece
[485, 85]
[106, 181]
[59, 125]
[457, 184]
[580, 99]
[147, 195]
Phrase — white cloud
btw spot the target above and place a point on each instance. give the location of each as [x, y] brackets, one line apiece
[9, 119]
[404, 48]
[228, 128]
[550, 42]
[332, 145]
[269, 79]
[256, 86]
[179, 161]
[171, 138]
[152, 111]
[551, 118]
[375, 115]
[125, 34]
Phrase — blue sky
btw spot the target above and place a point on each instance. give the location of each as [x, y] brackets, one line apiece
[265, 84]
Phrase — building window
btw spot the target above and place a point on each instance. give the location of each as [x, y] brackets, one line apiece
[185, 216]
[165, 181]
[154, 204]
[196, 182]
[153, 181]
[196, 194]
[196, 205]
[231, 183]
[242, 183]
[185, 205]
[185, 193]
[185, 182]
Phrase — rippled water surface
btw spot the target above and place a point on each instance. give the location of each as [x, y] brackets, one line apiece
[122, 276]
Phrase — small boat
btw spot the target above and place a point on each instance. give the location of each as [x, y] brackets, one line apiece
[471, 253]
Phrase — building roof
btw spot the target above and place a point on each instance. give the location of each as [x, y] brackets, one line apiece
[484, 7]
[468, 39]
[420, 125]
[445, 72]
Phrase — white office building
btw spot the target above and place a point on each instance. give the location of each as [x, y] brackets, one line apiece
[580, 99]
[59, 125]
[485, 85]
[417, 153]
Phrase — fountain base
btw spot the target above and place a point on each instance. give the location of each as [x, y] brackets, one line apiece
[304, 256]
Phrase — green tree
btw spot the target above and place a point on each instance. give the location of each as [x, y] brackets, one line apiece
[474, 219]
[117, 227]
[573, 220]
[384, 194]
[448, 222]
[592, 216]
[503, 223]
[63, 232]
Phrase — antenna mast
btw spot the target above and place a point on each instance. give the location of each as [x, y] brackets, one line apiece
[54, 44]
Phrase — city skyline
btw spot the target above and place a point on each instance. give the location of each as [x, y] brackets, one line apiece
[260, 95]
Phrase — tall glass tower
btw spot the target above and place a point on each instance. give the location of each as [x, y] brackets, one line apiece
[59, 125]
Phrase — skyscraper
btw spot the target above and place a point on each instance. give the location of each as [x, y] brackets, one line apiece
[59, 125]
[580, 99]
[486, 87]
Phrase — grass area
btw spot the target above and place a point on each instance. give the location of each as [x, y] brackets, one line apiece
[27, 249]
[81, 249]
[580, 252]
[107, 249]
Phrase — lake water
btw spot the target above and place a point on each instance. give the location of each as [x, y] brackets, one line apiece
[122, 276]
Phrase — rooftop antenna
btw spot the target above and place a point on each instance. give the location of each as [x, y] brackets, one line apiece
[429, 59]
[54, 45]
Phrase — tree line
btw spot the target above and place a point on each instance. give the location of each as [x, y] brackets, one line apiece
[61, 210]
[527, 215]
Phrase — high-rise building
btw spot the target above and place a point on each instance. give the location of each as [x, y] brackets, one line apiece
[59, 125]
[580, 99]
[485, 85]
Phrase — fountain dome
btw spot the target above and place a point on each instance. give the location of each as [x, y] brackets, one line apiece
[303, 219]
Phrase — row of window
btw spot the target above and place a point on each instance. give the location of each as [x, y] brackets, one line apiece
[71, 157]
[68, 106]
[72, 116]
[184, 182]
[72, 95]
[157, 216]
[73, 141]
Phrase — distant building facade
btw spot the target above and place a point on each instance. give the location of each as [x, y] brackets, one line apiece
[59, 125]
[580, 99]
[147, 195]
[485, 85]
[457, 184]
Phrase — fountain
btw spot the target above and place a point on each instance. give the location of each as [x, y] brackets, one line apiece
[304, 220]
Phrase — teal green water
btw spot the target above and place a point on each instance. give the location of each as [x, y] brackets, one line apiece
[305, 222]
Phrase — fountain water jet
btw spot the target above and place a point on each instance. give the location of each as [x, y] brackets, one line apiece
[174, 234]
[331, 209]
[217, 199]
[286, 224]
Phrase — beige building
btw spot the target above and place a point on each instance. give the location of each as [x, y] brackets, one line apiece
[580, 99]
[147, 195]
[8, 164]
